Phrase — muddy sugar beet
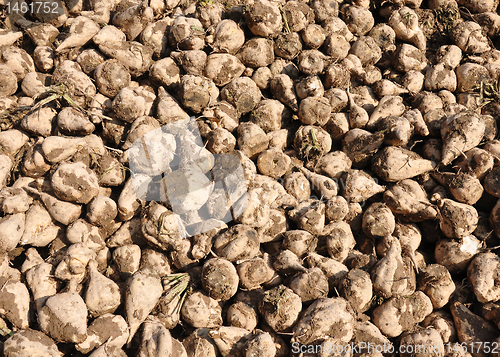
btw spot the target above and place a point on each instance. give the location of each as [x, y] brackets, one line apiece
[211, 178]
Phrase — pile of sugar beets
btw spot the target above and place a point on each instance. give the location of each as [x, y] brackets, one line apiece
[336, 186]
